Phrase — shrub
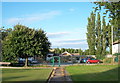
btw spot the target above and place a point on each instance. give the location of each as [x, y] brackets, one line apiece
[116, 54]
[108, 60]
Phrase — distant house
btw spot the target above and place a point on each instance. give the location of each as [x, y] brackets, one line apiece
[66, 54]
[116, 47]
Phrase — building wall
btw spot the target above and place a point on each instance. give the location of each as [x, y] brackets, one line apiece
[116, 48]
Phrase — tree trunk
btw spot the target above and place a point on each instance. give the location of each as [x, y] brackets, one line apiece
[26, 62]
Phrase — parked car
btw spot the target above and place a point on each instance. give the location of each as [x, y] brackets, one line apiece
[30, 61]
[93, 60]
[33, 61]
[83, 60]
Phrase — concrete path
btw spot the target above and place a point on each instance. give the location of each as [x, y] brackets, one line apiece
[58, 75]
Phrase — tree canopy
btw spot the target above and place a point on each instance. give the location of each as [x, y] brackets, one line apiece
[113, 10]
[25, 42]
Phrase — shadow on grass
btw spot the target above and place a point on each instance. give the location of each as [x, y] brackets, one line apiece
[110, 76]
[15, 77]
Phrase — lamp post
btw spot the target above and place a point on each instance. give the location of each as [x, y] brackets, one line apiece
[112, 37]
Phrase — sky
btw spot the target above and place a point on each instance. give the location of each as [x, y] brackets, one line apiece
[65, 23]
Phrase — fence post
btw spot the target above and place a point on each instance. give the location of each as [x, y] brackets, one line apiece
[53, 62]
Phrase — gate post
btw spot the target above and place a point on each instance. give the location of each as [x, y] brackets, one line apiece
[59, 61]
[53, 62]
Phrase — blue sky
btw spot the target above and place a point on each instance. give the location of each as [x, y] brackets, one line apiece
[64, 22]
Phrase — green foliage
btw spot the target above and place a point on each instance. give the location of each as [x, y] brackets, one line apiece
[108, 60]
[70, 50]
[91, 33]
[113, 10]
[116, 54]
[25, 42]
[104, 34]
[4, 33]
[86, 52]
[98, 35]
[80, 52]
[103, 31]
[101, 57]
[108, 38]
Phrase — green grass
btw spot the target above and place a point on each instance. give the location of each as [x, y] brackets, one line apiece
[93, 72]
[25, 74]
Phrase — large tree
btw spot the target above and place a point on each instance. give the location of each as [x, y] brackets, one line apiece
[98, 35]
[113, 10]
[91, 33]
[25, 42]
[104, 34]
[109, 37]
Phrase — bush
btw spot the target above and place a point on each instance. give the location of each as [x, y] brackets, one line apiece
[116, 54]
[108, 60]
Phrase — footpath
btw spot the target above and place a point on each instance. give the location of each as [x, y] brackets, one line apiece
[58, 75]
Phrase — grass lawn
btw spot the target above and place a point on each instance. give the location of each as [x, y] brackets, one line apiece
[25, 74]
[93, 72]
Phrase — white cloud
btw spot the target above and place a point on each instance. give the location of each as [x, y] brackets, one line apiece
[82, 45]
[73, 40]
[57, 34]
[74, 43]
[69, 43]
[33, 17]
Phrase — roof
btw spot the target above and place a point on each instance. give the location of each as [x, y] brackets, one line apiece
[116, 42]
[66, 53]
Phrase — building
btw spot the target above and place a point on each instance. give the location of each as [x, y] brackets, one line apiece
[66, 54]
[116, 47]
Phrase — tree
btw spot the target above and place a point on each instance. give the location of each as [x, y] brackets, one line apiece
[104, 34]
[4, 33]
[45, 44]
[98, 35]
[57, 50]
[91, 33]
[109, 40]
[86, 52]
[25, 42]
[113, 9]
[80, 52]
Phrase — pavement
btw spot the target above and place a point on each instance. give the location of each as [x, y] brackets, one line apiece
[59, 75]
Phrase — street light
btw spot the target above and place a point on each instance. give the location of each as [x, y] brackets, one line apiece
[112, 37]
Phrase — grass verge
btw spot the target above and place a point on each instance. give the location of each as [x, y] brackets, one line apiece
[36, 75]
[93, 72]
